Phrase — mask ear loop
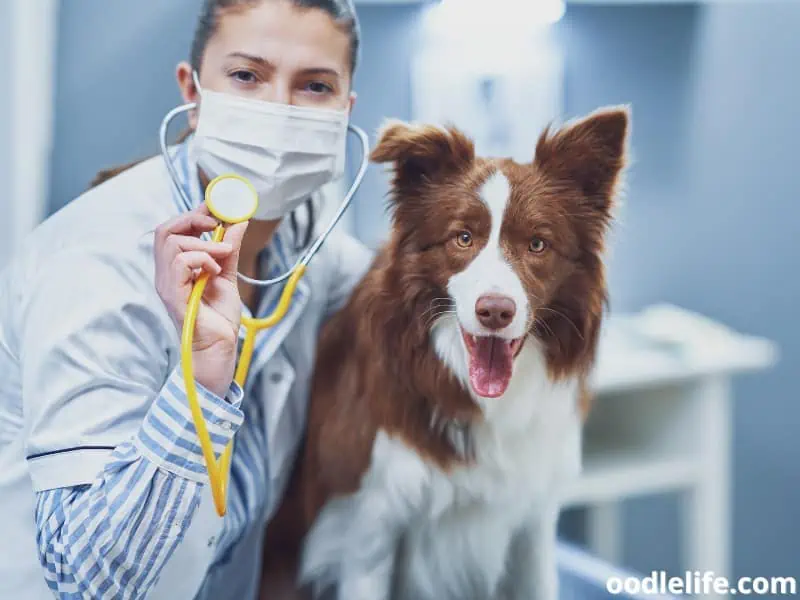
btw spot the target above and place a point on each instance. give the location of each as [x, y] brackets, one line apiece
[196, 80]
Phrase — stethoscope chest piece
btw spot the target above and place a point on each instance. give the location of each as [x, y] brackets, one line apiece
[231, 199]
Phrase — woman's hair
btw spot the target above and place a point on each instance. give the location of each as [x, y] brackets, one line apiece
[341, 11]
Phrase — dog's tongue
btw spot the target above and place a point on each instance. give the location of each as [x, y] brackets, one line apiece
[490, 365]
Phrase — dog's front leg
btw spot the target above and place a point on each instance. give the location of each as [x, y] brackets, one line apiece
[392, 492]
[532, 570]
[367, 566]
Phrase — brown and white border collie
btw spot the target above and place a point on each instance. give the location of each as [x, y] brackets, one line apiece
[447, 403]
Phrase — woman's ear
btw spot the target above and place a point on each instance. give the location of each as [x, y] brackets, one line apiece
[189, 92]
[422, 153]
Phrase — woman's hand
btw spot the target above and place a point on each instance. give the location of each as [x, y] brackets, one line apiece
[181, 257]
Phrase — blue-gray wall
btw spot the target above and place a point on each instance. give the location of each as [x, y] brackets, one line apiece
[382, 84]
[711, 224]
[708, 220]
[115, 82]
[5, 120]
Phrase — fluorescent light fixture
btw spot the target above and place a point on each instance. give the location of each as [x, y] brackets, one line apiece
[477, 15]
[489, 27]
[489, 31]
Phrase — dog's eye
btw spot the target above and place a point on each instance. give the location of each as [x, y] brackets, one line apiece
[464, 239]
[537, 245]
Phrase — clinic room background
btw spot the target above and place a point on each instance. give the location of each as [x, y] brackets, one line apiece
[696, 451]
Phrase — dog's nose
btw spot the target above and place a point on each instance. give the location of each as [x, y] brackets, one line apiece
[495, 312]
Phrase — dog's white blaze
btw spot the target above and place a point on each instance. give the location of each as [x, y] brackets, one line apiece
[490, 272]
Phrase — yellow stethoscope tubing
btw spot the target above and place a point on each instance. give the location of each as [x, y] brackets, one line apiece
[219, 470]
[216, 469]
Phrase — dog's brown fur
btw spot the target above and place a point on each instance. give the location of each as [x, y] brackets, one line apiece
[376, 368]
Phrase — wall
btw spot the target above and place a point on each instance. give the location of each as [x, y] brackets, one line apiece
[710, 223]
[5, 121]
[115, 82]
[382, 83]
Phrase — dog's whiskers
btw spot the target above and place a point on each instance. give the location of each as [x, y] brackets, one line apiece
[435, 316]
[566, 318]
[438, 308]
[538, 321]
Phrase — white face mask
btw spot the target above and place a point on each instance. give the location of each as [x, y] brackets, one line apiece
[286, 152]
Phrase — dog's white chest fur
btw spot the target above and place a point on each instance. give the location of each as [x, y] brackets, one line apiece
[429, 534]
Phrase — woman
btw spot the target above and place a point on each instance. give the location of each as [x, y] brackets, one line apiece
[103, 488]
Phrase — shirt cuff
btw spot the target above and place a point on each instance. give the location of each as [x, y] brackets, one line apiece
[168, 436]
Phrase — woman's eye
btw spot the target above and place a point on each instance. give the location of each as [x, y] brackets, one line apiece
[464, 239]
[243, 76]
[537, 245]
[319, 87]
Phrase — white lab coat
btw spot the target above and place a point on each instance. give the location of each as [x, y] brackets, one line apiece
[115, 223]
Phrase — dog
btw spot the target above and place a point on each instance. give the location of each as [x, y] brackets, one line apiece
[449, 394]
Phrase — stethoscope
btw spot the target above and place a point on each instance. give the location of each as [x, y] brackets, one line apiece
[232, 199]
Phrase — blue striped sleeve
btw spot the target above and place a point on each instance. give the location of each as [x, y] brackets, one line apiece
[168, 436]
[112, 538]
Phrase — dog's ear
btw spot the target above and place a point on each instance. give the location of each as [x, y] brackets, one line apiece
[591, 153]
[422, 153]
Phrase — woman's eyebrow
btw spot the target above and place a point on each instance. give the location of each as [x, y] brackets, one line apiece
[259, 60]
[321, 71]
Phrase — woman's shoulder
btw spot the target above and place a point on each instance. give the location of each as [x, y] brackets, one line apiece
[115, 216]
[132, 202]
[111, 224]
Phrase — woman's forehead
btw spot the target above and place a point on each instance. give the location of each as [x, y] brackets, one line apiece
[285, 36]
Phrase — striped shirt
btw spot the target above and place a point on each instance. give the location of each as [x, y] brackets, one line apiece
[128, 520]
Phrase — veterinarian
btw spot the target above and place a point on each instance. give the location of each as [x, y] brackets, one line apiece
[103, 486]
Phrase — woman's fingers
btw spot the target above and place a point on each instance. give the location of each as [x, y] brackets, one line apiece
[191, 223]
[175, 244]
[182, 256]
[186, 263]
[230, 264]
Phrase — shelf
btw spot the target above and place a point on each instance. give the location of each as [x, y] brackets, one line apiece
[614, 477]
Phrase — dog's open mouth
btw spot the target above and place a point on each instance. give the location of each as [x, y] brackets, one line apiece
[491, 363]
